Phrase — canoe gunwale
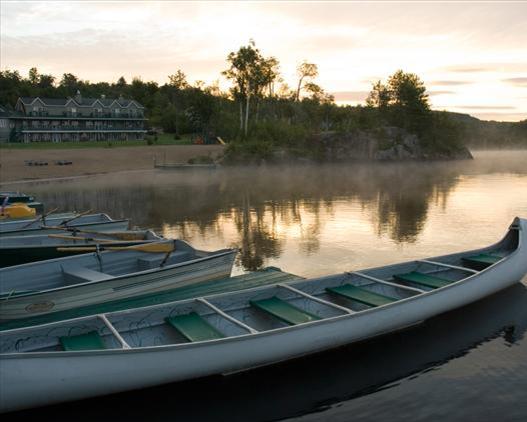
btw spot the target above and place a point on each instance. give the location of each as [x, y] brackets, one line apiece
[514, 255]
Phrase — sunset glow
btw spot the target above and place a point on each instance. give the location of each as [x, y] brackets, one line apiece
[471, 55]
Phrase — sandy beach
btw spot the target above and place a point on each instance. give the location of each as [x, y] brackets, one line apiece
[88, 161]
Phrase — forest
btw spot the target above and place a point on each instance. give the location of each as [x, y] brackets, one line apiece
[260, 112]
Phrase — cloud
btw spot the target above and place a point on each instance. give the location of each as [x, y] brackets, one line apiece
[516, 81]
[480, 107]
[468, 69]
[439, 92]
[487, 67]
[501, 117]
[350, 95]
[449, 83]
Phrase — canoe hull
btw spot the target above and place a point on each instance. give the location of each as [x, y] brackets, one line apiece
[211, 267]
[83, 375]
[29, 379]
[100, 373]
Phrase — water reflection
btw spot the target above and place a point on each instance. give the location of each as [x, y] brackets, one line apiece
[268, 213]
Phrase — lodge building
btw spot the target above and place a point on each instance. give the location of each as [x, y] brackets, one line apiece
[38, 119]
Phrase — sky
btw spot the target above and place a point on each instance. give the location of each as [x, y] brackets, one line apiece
[471, 55]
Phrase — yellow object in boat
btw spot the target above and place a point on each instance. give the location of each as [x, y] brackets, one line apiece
[17, 210]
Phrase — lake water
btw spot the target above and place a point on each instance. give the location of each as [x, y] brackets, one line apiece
[467, 365]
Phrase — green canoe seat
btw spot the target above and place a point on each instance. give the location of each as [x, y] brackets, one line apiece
[88, 341]
[283, 311]
[425, 280]
[193, 327]
[480, 261]
[361, 295]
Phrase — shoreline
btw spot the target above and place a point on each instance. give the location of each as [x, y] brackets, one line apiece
[93, 161]
[66, 178]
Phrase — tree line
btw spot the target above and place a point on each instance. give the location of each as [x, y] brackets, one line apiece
[260, 111]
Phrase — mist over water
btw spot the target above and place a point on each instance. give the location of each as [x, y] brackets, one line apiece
[466, 365]
[315, 220]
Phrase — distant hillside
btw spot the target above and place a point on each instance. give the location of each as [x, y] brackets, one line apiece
[491, 134]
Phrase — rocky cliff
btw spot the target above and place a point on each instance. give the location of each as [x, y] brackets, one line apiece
[387, 143]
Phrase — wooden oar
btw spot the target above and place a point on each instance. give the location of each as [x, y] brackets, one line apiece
[93, 239]
[164, 247]
[65, 222]
[40, 217]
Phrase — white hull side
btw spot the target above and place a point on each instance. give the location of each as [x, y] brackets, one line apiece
[45, 378]
[179, 275]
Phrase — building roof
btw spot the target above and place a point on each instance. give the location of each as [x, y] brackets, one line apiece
[80, 101]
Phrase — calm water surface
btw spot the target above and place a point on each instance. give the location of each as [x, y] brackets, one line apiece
[466, 365]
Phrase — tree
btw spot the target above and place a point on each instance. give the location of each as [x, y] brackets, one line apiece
[305, 71]
[178, 80]
[379, 96]
[407, 90]
[249, 71]
[33, 76]
[403, 101]
[46, 81]
[70, 83]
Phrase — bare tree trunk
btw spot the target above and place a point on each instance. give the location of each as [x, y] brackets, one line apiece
[257, 110]
[247, 113]
[298, 89]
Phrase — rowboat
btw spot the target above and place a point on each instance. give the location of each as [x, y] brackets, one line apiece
[114, 273]
[16, 250]
[58, 224]
[217, 334]
[13, 197]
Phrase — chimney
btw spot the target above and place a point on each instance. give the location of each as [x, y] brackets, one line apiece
[103, 96]
[78, 97]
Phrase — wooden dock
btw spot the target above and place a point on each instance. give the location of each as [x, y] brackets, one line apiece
[269, 275]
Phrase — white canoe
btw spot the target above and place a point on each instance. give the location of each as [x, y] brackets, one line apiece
[60, 284]
[143, 347]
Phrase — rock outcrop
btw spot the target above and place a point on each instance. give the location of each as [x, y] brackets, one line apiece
[387, 143]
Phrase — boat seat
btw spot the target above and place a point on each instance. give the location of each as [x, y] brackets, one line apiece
[82, 274]
[480, 261]
[284, 311]
[361, 295]
[422, 279]
[193, 327]
[149, 262]
[88, 341]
